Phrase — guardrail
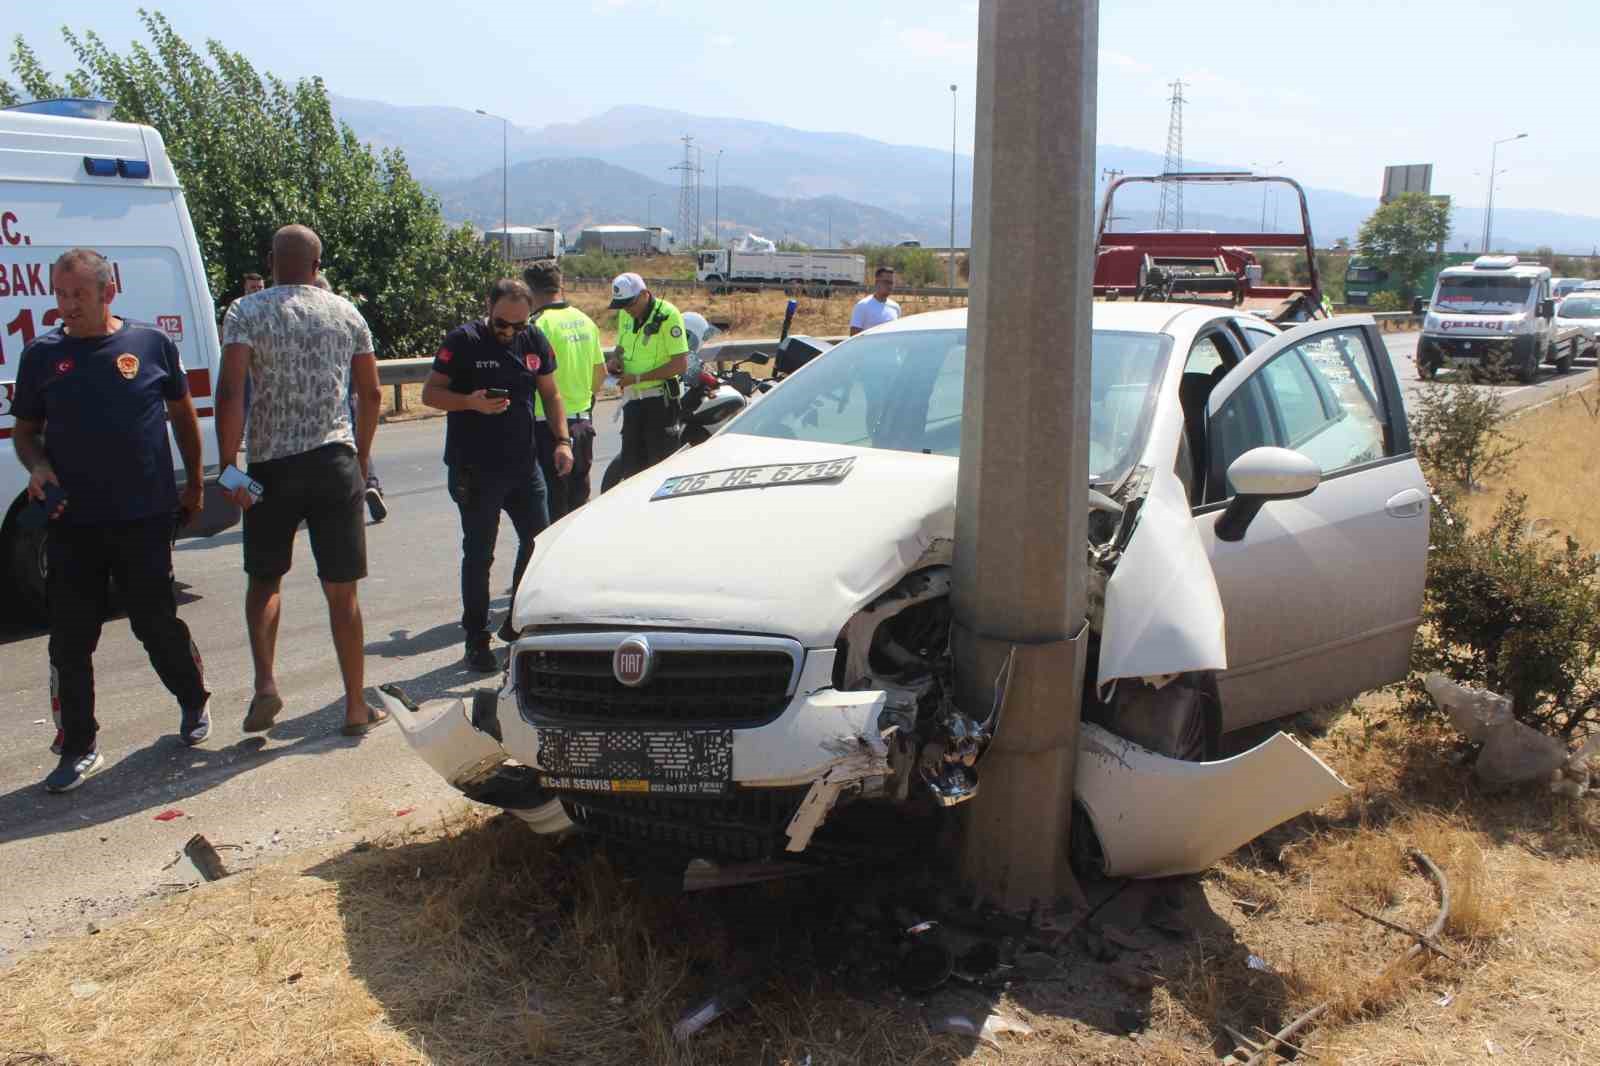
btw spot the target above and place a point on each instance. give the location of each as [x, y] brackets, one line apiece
[812, 288]
[401, 372]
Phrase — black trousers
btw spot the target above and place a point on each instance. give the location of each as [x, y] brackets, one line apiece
[82, 559]
[480, 496]
[647, 436]
[566, 494]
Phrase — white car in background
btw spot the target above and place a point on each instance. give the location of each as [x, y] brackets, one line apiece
[1257, 544]
[1582, 311]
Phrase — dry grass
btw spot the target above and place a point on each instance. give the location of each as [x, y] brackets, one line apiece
[1556, 466]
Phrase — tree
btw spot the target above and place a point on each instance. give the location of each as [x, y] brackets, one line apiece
[254, 153]
[1402, 235]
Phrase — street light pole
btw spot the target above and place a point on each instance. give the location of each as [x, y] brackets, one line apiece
[1264, 186]
[505, 184]
[1488, 210]
[951, 251]
[716, 200]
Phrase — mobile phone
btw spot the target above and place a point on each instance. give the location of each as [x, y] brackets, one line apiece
[497, 394]
[54, 496]
[233, 478]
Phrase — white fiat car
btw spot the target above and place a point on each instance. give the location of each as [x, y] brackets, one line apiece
[1257, 542]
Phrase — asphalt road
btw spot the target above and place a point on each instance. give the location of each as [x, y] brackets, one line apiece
[95, 852]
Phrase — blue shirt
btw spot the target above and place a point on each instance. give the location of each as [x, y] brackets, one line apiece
[104, 404]
[473, 358]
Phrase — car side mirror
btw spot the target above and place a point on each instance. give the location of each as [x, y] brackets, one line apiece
[760, 358]
[1547, 308]
[1416, 305]
[1259, 476]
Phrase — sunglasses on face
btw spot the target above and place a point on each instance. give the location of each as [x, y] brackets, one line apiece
[502, 326]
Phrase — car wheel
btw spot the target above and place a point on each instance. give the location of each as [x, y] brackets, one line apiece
[25, 559]
[1528, 372]
[1426, 369]
[612, 475]
[1564, 364]
[1179, 720]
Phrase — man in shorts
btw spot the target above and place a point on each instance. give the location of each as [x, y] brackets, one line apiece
[303, 349]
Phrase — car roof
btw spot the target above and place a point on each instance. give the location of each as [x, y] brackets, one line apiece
[1129, 316]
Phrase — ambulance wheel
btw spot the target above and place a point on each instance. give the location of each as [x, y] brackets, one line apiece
[25, 559]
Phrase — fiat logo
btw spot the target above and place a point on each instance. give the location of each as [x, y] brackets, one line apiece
[631, 662]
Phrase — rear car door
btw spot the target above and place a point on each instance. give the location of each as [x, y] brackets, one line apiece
[1323, 594]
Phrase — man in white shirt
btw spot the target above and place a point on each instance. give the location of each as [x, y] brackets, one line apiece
[876, 309]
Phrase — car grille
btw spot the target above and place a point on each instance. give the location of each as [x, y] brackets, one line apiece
[703, 687]
[743, 826]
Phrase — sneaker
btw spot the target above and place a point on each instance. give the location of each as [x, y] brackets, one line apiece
[508, 632]
[375, 505]
[481, 657]
[196, 725]
[73, 772]
[55, 745]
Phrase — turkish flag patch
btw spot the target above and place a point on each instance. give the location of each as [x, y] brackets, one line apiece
[443, 355]
[532, 361]
[65, 366]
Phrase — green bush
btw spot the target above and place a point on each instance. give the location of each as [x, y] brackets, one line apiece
[1388, 301]
[1456, 431]
[913, 267]
[593, 265]
[1510, 608]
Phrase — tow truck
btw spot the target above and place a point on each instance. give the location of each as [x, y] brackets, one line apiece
[1202, 266]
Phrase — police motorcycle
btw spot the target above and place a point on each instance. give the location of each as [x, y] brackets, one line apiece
[704, 399]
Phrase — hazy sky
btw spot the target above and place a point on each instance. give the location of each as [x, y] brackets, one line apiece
[1336, 91]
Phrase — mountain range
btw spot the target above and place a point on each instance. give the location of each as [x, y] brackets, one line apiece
[818, 187]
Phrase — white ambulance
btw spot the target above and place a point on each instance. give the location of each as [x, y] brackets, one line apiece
[70, 178]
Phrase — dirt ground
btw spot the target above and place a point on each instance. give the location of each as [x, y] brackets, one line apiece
[474, 942]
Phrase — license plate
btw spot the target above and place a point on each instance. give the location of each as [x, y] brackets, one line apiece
[671, 761]
[754, 477]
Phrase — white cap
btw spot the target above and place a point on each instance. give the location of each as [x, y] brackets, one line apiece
[625, 288]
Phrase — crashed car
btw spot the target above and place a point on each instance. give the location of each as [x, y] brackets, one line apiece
[1257, 540]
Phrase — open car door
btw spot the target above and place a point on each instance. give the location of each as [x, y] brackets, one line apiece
[1322, 595]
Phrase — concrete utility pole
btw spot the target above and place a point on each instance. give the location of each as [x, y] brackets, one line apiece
[1021, 514]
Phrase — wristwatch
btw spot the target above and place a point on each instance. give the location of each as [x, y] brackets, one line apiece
[563, 440]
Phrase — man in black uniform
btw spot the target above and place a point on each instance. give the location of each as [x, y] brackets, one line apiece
[484, 376]
[92, 404]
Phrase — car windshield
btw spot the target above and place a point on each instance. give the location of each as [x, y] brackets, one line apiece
[1580, 307]
[1482, 295]
[902, 391]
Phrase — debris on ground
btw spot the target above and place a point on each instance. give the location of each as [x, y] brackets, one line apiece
[169, 815]
[729, 997]
[1511, 752]
[205, 858]
[989, 1030]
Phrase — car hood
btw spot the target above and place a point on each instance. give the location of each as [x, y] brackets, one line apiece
[793, 560]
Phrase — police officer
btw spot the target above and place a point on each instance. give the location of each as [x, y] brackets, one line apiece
[92, 404]
[652, 349]
[580, 371]
[484, 376]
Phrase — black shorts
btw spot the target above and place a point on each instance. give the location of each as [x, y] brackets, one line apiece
[322, 488]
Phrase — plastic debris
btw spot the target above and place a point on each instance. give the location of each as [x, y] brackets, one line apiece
[1512, 753]
[205, 858]
[730, 997]
[403, 811]
[1256, 962]
[84, 989]
[989, 1031]
[169, 815]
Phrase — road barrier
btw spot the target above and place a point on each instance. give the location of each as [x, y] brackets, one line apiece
[401, 372]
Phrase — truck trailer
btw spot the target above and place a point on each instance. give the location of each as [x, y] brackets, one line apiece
[726, 269]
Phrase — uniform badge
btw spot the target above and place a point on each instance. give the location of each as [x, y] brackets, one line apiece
[677, 331]
[532, 362]
[65, 366]
[127, 365]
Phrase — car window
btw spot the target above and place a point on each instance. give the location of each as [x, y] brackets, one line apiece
[1320, 398]
[1205, 356]
[1255, 338]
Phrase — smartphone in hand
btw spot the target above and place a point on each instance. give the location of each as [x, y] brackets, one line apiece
[497, 394]
[233, 478]
[54, 497]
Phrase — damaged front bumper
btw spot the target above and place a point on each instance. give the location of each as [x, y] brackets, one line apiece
[1152, 816]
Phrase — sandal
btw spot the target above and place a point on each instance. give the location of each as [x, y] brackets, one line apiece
[263, 712]
[361, 729]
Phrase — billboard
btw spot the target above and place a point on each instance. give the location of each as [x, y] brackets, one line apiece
[1413, 177]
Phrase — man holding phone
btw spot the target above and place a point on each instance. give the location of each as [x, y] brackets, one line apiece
[92, 404]
[484, 377]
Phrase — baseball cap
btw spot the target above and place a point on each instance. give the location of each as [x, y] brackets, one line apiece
[625, 288]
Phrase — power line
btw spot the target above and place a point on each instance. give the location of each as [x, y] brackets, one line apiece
[1172, 191]
[688, 191]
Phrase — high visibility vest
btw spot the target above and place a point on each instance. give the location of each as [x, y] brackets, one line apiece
[577, 345]
[655, 342]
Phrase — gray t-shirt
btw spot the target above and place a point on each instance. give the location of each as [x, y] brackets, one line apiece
[302, 339]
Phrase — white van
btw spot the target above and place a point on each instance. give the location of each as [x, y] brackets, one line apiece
[1495, 313]
[68, 178]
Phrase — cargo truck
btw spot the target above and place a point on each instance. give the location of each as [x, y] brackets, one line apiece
[815, 272]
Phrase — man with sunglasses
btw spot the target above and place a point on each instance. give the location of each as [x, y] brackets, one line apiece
[484, 377]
